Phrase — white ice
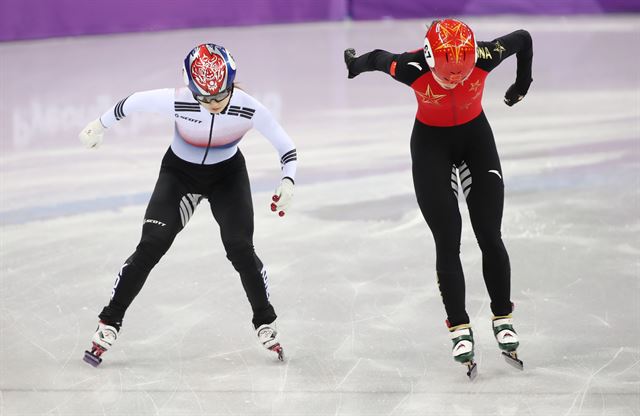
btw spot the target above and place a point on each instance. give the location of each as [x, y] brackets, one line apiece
[352, 265]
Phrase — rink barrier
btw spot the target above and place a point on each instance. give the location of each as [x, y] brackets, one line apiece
[38, 19]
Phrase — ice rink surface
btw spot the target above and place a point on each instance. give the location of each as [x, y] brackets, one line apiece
[352, 264]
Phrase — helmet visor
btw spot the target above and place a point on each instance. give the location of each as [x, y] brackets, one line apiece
[219, 97]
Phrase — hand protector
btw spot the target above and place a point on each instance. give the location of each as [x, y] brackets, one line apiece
[282, 196]
[91, 135]
[349, 57]
[513, 96]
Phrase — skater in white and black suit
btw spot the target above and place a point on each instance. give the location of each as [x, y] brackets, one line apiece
[203, 162]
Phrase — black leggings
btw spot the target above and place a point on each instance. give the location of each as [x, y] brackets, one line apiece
[180, 187]
[436, 153]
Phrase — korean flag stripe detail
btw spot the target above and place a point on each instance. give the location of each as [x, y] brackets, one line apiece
[245, 109]
[245, 112]
[183, 106]
[118, 110]
[290, 156]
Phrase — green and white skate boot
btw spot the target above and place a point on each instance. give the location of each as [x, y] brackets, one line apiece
[507, 339]
[462, 338]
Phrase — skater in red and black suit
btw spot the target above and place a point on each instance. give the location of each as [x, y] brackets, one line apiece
[211, 115]
[452, 144]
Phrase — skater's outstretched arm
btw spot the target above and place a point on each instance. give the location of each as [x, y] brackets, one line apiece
[405, 67]
[153, 101]
[376, 60]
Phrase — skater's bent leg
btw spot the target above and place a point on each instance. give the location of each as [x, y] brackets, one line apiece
[133, 275]
[438, 203]
[485, 201]
[445, 224]
[162, 223]
[232, 208]
[486, 216]
[496, 270]
[450, 276]
[253, 276]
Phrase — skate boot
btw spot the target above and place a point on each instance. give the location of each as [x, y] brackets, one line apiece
[507, 339]
[462, 338]
[102, 340]
[268, 337]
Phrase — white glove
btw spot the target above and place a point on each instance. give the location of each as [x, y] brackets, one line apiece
[91, 135]
[282, 196]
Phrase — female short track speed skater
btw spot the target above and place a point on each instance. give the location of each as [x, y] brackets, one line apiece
[452, 143]
[203, 162]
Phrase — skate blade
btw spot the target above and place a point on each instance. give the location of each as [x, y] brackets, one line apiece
[512, 359]
[91, 359]
[472, 370]
[278, 350]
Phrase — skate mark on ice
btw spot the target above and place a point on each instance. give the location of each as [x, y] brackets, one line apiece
[603, 321]
[391, 209]
[345, 340]
[84, 381]
[480, 313]
[348, 374]
[200, 296]
[56, 409]
[181, 360]
[195, 394]
[534, 306]
[148, 383]
[53, 357]
[248, 368]
[404, 399]
[575, 282]
[153, 402]
[584, 391]
[408, 222]
[630, 367]
[284, 379]
[71, 354]
[222, 354]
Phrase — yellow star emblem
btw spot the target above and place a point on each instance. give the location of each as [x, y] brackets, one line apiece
[474, 86]
[499, 48]
[429, 97]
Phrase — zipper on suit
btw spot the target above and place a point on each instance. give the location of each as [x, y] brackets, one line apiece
[213, 117]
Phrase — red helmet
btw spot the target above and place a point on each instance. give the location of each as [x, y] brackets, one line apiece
[450, 50]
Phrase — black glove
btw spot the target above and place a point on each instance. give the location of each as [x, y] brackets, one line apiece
[349, 57]
[514, 94]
